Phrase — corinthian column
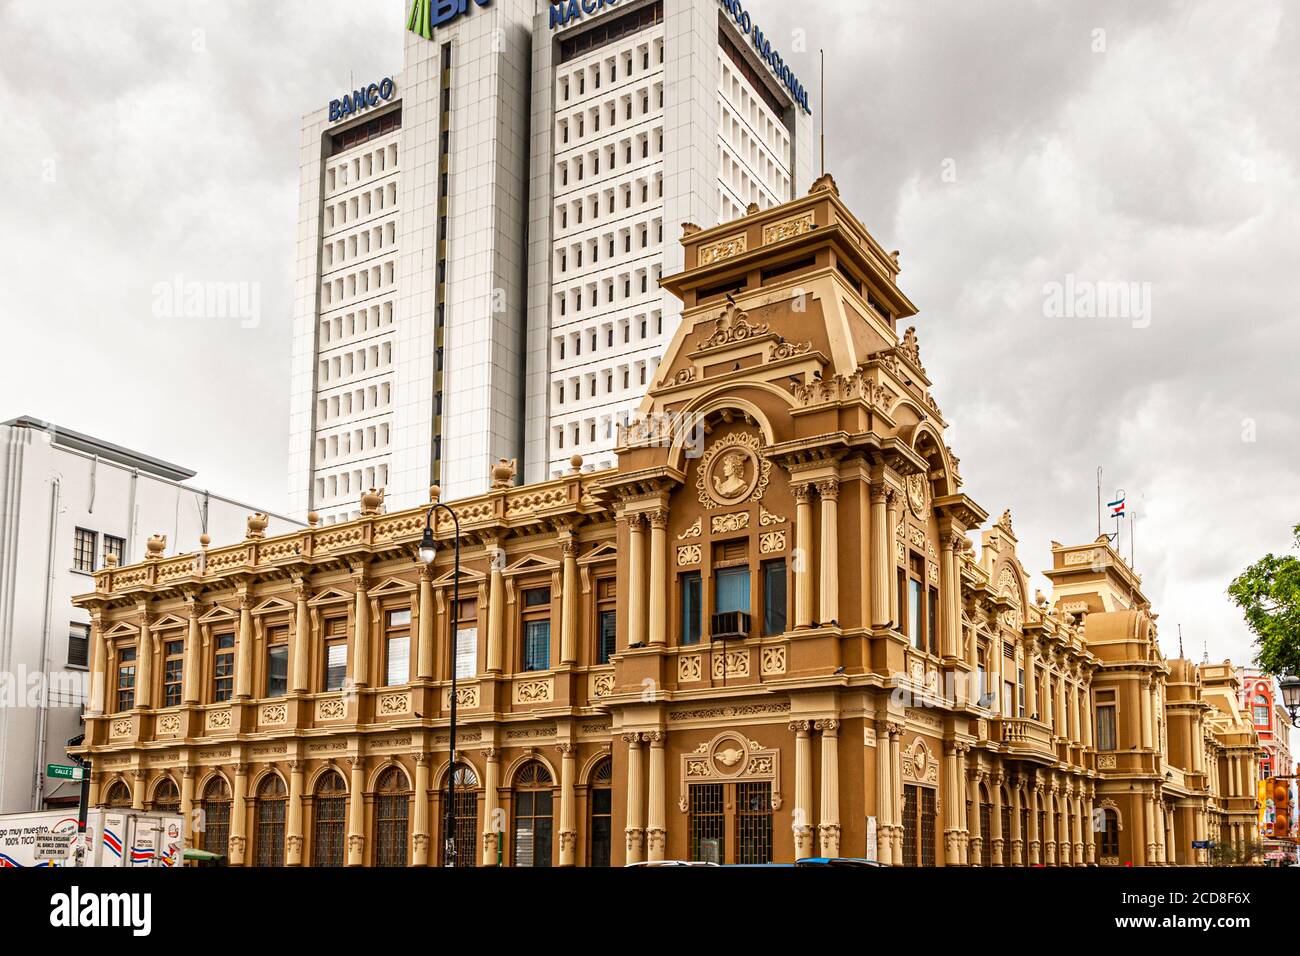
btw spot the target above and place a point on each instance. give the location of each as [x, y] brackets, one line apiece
[496, 611]
[424, 650]
[301, 639]
[357, 812]
[803, 557]
[187, 805]
[949, 638]
[568, 801]
[190, 668]
[492, 823]
[569, 600]
[420, 824]
[361, 631]
[244, 653]
[144, 686]
[636, 623]
[884, 792]
[656, 831]
[802, 814]
[954, 799]
[829, 491]
[239, 815]
[658, 576]
[98, 703]
[635, 800]
[880, 563]
[828, 824]
[293, 828]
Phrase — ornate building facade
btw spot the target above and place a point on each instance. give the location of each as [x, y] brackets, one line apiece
[766, 634]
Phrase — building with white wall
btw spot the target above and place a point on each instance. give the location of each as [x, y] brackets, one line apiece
[646, 115]
[481, 235]
[67, 501]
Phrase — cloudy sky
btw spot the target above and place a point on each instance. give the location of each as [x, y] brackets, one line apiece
[1009, 149]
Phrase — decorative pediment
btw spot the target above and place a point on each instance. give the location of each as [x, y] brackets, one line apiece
[530, 564]
[169, 621]
[121, 629]
[732, 756]
[273, 605]
[392, 586]
[467, 575]
[602, 552]
[219, 613]
[331, 596]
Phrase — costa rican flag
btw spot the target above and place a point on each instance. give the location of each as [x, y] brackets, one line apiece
[1116, 508]
[169, 857]
[141, 854]
[113, 842]
[8, 863]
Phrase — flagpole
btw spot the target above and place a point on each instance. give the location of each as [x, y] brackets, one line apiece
[821, 94]
[1099, 501]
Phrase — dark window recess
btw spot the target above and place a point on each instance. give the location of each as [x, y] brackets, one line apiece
[611, 30]
[789, 268]
[849, 277]
[79, 645]
[750, 74]
[364, 132]
[713, 291]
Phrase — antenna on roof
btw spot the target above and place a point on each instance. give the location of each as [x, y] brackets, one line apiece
[1180, 640]
[822, 97]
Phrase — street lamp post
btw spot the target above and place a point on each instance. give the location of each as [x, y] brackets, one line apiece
[1291, 697]
[428, 551]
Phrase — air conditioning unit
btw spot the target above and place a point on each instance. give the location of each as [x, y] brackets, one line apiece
[729, 626]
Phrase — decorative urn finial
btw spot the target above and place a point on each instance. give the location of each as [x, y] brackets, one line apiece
[257, 523]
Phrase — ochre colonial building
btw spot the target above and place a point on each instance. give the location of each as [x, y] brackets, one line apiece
[767, 634]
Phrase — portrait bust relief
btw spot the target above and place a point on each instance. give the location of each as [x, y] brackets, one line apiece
[731, 472]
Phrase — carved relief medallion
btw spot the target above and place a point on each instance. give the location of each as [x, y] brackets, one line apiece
[731, 472]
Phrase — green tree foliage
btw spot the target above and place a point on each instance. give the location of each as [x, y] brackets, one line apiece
[1268, 593]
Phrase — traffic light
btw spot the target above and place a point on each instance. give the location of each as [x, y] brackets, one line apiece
[1281, 793]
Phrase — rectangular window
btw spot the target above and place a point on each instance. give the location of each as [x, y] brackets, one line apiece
[223, 668]
[932, 619]
[83, 550]
[466, 652]
[397, 648]
[277, 661]
[116, 547]
[754, 823]
[537, 645]
[606, 631]
[1106, 727]
[691, 610]
[173, 670]
[336, 653]
[78, 645]
[774, 597]
[126, 678]
[731, 590]
[914, 614]
[1020, 690]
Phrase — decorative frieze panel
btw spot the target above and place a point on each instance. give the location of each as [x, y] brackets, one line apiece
[122, 727]
[730, 711]
[1082, 557]
[168, 725]
[732, 756]
[688, 668]
[770, 542]
[722, 249]
[1106, 762]
[919, 764]
[331, 708]
[722, 524]
[688, 554]
[218, 720]
[602, 685]
[537, 691]
[271, 715]
[391, 705]
[772, 660]
[788, 228]
[731, 664]
[466, 696]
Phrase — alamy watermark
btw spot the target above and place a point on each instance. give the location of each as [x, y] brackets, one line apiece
[207, 299]
[1082, 299]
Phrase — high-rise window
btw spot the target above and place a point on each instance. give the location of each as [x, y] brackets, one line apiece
[78, 645]
[689, 584]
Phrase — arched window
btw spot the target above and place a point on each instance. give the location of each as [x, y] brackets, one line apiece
[986, 828]
[465, 808]
[329, 816]
[214, 826]
[533, 797]
[166, 799]
[118, 796]
[269, 818]
[601, 803]
[1109, 832]
[392, 808]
